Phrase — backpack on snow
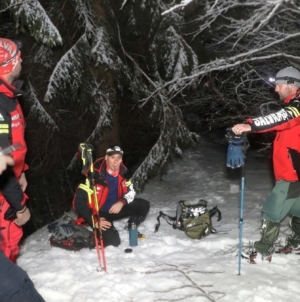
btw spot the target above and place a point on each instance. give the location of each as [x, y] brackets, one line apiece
[193, 219]
[70, 236]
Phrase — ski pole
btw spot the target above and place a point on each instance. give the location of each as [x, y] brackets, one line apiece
[96, 206]
[241, 221]
[87, 170]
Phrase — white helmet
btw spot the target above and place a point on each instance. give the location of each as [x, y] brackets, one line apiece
[288, 76]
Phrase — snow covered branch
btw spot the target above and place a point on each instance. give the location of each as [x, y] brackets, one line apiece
[68, 70]
[38, 111]
[33, 15]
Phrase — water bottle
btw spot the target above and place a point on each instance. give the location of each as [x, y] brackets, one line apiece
[133, 235]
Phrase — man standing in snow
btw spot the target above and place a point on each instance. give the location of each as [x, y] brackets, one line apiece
[12, 126]
[285, 196]
[115, 196]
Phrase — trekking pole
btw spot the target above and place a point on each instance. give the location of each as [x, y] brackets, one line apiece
[238, 144]
[87, 170]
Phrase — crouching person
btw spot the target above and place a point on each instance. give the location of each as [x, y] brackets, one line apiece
[115, 196]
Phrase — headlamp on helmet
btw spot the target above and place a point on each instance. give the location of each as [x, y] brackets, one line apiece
[114, 150]
[288, 76]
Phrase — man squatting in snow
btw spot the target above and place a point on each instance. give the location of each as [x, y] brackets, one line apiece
[285, 196]
[115, 196]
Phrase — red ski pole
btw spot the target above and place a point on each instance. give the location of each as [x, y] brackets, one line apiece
[88, 169]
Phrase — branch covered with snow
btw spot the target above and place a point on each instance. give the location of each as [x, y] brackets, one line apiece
[31, 14]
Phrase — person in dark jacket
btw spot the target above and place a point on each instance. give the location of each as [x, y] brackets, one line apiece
[285, 196]
[12, 126]
[115, 196]
[15, 284]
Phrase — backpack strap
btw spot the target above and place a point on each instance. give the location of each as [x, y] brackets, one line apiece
[175, 221]
[178, 222]
[214, 211]
[169, 219]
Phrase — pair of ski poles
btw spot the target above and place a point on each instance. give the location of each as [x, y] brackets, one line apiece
[88, 171]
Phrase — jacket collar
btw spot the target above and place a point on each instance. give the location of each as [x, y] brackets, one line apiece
[11, 91]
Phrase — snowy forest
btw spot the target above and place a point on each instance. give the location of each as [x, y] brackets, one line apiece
[151, 75]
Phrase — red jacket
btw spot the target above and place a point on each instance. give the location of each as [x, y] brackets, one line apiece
[8, 95]
[287, 141]
[126, 192]
[81, 204]
[12, 127]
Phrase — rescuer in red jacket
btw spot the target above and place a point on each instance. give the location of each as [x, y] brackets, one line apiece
[115, 196]
[285, 196]
[12, 126]
[15, 284]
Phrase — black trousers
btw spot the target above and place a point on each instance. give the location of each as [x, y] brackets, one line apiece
[138, 207]
[15, 284]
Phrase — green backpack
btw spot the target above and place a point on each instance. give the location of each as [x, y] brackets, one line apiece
[193, 219]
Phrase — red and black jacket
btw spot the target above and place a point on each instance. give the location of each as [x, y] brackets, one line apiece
[287, 141]
[12, 127]
[81, 205]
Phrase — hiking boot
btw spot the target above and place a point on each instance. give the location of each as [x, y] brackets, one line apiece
[285, 250]
[293, 240]
[249, 256]
[269, 232]
[141, 236]
[288, 250]
[255, 259]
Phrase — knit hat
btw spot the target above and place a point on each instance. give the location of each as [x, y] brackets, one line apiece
[288, 76]
[9, 56]
[114, 150]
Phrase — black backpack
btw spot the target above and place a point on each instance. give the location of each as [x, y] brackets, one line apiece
[70, 236]
[193, 219]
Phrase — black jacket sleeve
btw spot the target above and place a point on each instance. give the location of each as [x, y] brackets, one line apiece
[270, 121]
[11, 189]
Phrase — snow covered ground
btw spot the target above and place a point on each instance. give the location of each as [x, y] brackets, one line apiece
[168, 266]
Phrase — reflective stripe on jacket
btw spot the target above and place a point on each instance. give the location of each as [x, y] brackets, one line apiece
[287, 124]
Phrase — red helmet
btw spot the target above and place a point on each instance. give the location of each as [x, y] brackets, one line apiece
[9, 55]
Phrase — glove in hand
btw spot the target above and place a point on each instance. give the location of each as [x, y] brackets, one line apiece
[235, 154]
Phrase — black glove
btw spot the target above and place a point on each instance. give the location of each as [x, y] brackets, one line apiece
[61, 230]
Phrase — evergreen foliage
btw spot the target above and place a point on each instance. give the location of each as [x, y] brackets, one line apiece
[134, 73]
[32, 16]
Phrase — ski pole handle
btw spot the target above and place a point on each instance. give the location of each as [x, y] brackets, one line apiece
[85, 157]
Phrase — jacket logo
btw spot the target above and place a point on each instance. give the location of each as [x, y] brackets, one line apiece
[1, 118]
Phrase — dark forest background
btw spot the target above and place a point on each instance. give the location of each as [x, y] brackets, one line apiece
[154, 76]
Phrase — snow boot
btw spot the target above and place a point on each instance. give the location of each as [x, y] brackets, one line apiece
[252, 257]
[270, 232]
[292, 241]
[136, 221]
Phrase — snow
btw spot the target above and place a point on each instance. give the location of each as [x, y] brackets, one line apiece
[167, 265]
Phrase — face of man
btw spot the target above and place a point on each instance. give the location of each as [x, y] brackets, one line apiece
[113, 161]
[285, 90]
[15, 73]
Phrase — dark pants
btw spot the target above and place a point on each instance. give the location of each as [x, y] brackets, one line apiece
[15, 284]
[138, 208]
